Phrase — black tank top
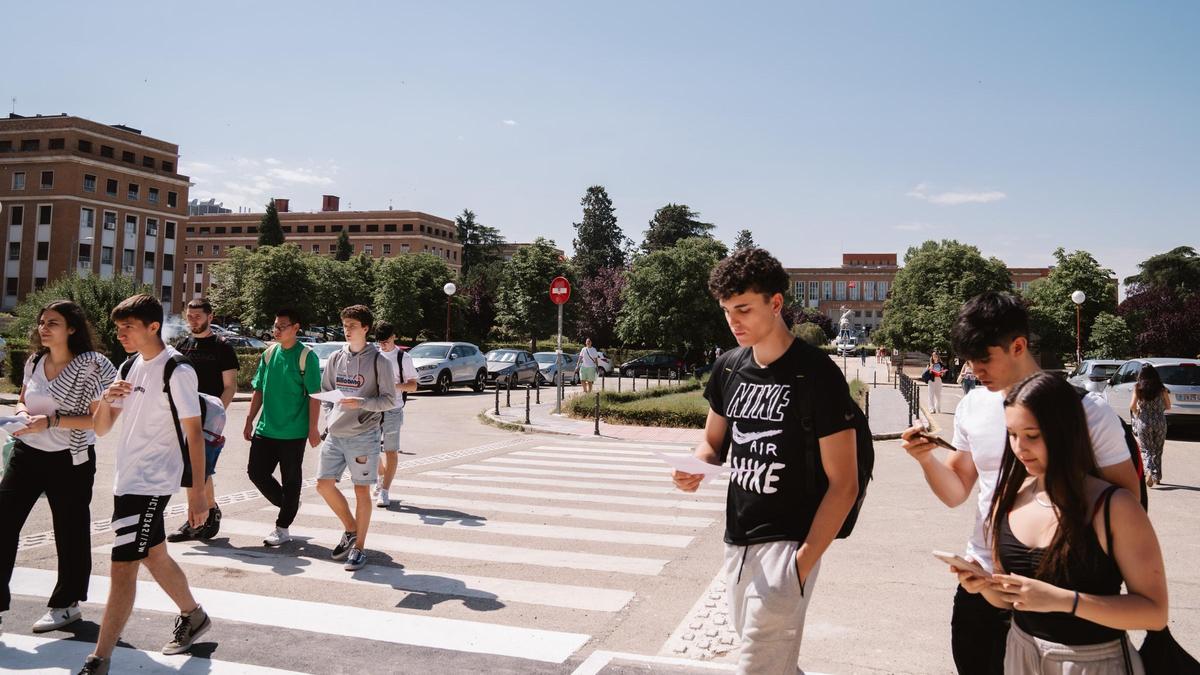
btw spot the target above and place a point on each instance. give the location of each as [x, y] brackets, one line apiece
[1099, 576]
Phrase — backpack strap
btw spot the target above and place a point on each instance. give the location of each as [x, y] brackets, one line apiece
[305, 350]
[1105, 501]
[169, 370]
[126, 366]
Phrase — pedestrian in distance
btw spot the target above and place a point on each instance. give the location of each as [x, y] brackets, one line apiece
[1148, 410]
[1064, 541]
[933, 375]
[776, 530]
[367, 383]
[161, 447]
[992, 334]
[862, 355]
[216, 367]
[967, 378]
[588, 360]
[55, 454]
[406, 383]
[288, 371]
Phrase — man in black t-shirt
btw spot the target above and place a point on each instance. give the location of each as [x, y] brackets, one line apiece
[216, 367]
[777, 525]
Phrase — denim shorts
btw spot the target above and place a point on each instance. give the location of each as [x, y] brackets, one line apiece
[392, 421]
[212, 451]
[360, 453]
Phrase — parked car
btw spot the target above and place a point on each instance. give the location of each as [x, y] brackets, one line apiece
[324, 350]
[603, 365]
[1180, 376]
[237, 341]
[548, 369]
[513, 367]
[307, 339]
[1094, 374]
[653, 364]
[441, 365]
[847, 346]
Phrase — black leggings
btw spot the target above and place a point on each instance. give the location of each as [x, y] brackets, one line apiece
[68, 489]
[265, 455]
[978, 634]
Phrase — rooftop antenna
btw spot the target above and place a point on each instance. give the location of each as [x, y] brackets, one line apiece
[14, 105]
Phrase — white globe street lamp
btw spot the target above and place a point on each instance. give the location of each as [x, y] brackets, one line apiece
[449, 290]
[1078, 297]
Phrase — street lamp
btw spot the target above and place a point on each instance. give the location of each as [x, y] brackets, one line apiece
[1078, 297]
[449, 290]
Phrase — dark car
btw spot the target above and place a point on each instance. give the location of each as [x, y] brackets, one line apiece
[511, 366]
[668, 365]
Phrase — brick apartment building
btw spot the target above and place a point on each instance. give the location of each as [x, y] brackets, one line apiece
[862, 284]
[90, 198]
[380, 234]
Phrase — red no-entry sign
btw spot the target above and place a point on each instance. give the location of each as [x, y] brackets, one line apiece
[560, 290]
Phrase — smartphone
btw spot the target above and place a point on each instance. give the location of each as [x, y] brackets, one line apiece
[937, 440]
[960, 563]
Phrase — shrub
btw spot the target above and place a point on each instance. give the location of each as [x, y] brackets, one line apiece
[247, 364]
[810, 333]
[679, 406]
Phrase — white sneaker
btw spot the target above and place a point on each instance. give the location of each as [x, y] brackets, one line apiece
[277, 537]
[384, 499]
[57, 618]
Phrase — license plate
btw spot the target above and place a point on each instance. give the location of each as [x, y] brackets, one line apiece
[1189, 398]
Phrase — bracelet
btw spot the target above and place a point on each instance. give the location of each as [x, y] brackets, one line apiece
[57, 420]
[1075, 605]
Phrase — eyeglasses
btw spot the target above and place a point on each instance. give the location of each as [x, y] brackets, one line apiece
[277, 327]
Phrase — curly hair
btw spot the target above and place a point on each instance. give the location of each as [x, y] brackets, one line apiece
[360, 313]
[748, 269]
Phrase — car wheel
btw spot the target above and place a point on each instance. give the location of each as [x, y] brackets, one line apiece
[477, 385]
[629, 372]
[443, 383]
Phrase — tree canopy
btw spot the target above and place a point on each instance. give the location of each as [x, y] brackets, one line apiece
[666, 303]
[599, 242]
[270, 231]
[523, 306]
[481, 243]
[1051, 311]
[343, 249]
[672, 224]
[745, 239]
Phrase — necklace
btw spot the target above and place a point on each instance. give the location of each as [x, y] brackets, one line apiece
[1048, 505]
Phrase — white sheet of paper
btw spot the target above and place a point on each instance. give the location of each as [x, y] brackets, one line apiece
[329, 396]
[689, 464]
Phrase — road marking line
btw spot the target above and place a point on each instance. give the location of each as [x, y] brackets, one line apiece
[717, 482]
[330, 619]
[567, 496]
[599, 450]
[661, 469]
[56, 655]
[682, 447]
[445, 548]
[556, 511]
[664, 486]
[588, 457]
[598, 660]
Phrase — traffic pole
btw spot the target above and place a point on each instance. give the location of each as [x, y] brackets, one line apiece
[558, 366]
[597, 415]
[526, 405]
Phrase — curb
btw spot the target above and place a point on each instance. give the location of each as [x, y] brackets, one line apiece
[488, 417]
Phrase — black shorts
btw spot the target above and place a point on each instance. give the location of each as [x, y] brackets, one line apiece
[137, 523]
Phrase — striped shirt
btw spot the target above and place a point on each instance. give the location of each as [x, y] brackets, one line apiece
[73, 391]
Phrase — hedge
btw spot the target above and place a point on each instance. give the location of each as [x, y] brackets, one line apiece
[678, 406]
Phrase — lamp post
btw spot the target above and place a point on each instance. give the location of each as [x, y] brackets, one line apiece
[1078, 297]
[449, 290]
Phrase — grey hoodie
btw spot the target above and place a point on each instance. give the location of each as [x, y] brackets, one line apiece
[367, 375]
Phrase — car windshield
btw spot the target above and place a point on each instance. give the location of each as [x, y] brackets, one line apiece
[428, 351]
[1105, 371]
[502, 356]
[544, 357]
[1186, 375]
[324, 349]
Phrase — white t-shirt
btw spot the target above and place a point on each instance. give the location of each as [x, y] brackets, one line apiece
[410, 371]
[149, 459]
[979, 428]
[588, 357]
[39, 401]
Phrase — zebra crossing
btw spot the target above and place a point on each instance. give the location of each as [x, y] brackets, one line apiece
[530, 556]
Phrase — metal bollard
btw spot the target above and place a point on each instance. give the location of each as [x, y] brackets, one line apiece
[633, 382]
[597, 414]
[867, 404]
[508, 393]
[602, 379]
[497, 398]
[647, 379]
[526, 405]
[875, 381]
[658, 376]
[537, 390]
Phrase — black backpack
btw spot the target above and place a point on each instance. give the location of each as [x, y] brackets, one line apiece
[168, 370]
[1135, 454]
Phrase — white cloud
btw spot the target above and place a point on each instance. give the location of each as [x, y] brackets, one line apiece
[303, 176]
[921, 191]
[272, 161]
[509, 123]
[913, 227]
[250, 182]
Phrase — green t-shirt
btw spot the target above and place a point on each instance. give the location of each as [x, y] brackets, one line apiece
[285, 396]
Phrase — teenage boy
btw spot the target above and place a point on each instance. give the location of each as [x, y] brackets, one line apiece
[287, 373]
[775, 534]
[406, 382]
[353, 429]
[588, 358]
[149, 469]
[992, 335]
[216, 367]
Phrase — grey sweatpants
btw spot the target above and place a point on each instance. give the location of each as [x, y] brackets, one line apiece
[1028, 655]
[767, 605]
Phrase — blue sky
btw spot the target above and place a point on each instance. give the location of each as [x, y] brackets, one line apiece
[1017, 127]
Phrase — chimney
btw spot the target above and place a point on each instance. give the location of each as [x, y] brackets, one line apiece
[281, 204]
[329, 203]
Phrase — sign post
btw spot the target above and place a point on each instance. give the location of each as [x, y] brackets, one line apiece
[560, 292]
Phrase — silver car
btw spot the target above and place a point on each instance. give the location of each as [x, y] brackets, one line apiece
[1094, 374]
[441, 365]
[324, 350]
[1180, 376]
[548, 371]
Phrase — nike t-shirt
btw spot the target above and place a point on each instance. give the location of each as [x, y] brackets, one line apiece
[763, 407]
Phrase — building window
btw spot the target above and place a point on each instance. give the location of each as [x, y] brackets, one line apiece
[47, 180]
[854, 290]
[106, 255]
[130, 225]
[389, 227]
[134, 190]
[841, 290]
[369, 249]
[407, 227]
[204, 230]
[39, 283]
[318, 229]
[89, 182]
[198, 290]
[43, 250]
[252, 229]
[355, 228]
[287, 229]
[148, 262]
[152, 195]
[168, 262]
[110, 220]
[84, 146]
[301, 229]
[85, 255]
[216, 249]
[18, 180]
[814, 290]
[422, 227]
[868, 290]
[170, 233]
[106, 151]
[148, 162]
[57, 143]
[316, 248]
[858, 313]
[220, 229]
[166, 295]
[881, 290]
[333, 248]
[235, 230]
[404, 248]
[14, 250]
[169, 167]
[32, 145]
[110, 187]
[10, 286]
[16, 215]
[199, 249]
[127, 259]
[151, 227]
[373, 227]
[172, 199]
[127, 156]
[6, 146]
[826, 290]
[45, 214]
[335, 228]
[387, 249]
[87, 218]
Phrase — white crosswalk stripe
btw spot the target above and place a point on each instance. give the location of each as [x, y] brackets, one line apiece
[592, 457]
[28, 653]
[546, 511]
[661, 470]
[660, 478]
[564, 496]
[664, 488]
[603, 449]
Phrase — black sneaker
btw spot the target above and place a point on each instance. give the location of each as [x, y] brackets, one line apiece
[349, 539]
[187, 629]
[94, 665]
[184, 533]
[212, 526]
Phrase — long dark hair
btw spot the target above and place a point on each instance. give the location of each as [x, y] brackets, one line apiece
[1149, 385]
[79, 342]
[1069, 460]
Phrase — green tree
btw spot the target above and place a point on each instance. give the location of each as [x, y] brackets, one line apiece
[1051, 311]
[937, 278]
[523, 306]
[671, 224]
[481, 243]
[478, 295]
[340, 283]
[277, 277]
[94, 295]
[1177, 270]
[408, 293]
[227, 281]
[666, 299]
[344, 249]
[599, 242]
[1111, 338]
[745, 239]
[270, 232]
[810, 333]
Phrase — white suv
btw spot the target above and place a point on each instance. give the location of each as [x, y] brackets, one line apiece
[1181, 377]
[441, 365]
